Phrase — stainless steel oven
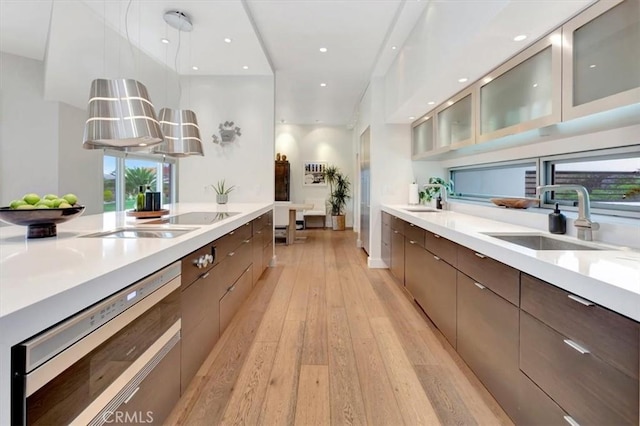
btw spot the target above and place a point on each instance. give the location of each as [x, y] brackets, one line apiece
[90, 367]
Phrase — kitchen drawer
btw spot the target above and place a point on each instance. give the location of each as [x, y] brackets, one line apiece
[445, 249]
[259, 222]
[386, 219]
[590, 390]
[397, 224]
[257, 248]
[414, 233]
[154, 398]
[535, 408]
[500, 278]
[267, 255]
[231, 241]
[232, 300]
[190, 272]
[608, 335]
[397, 255]
[385, 253]
[386, 233]
[487, 339]
[233, 266]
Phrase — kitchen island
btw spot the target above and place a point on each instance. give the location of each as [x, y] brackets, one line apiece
[43, 281]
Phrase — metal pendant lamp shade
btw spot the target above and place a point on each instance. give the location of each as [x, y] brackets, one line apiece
[181, 133]
[121, 116]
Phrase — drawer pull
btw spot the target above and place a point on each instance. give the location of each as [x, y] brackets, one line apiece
[233, 287]
[205, 275]
[411, 224]
[436, 257]
[436, 235]
[480, 286]
[246, 241]
[570, 420]
[580, 300]
[231, 254]
[411, 242]
[481, 256]
[135, 391]
[232, 232]
[395, 232]
[576, 346]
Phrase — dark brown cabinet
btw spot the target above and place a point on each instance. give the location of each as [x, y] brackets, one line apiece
[283, 181]
[397, 248]
[386, 239]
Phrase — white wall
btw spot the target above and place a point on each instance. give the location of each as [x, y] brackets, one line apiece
[246, 163]
[331, 144]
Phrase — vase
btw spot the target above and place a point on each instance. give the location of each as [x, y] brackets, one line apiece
[222, 198]
[338, 222]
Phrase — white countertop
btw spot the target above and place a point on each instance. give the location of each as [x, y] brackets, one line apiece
[610, 278]
[43, 281]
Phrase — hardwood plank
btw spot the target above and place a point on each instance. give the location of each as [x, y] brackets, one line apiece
[415, 407]
[347, 406]
[279, 402]
[312, 406]
[251, 386]
[297, 310]
[334, 291]
[271, 327]
[314, 347]
[449, 405]
[379, 400]
[354, 306]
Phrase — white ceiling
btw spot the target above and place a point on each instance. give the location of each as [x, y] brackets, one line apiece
[284, 37]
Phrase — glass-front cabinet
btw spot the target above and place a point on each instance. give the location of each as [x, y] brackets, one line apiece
[456, 121]
[601, 59]
[523, 93]
[423, 137]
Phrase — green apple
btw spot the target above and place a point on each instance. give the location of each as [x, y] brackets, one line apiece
[15, 203]
[41, 206]
[46, 203]
[50, 197]
[25, 207]
[64, 206]
[31, 198]
[71, 198]
[58, 201]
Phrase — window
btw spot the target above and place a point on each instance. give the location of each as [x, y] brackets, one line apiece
[517, 179]
[125, 173]
[612, 178]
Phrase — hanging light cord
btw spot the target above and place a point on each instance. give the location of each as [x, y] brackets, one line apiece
[126, 29]
[175, 60]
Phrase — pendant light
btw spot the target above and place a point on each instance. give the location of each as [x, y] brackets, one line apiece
[121, 115]
[179, 126]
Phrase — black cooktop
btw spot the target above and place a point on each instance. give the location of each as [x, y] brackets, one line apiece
[194, 218]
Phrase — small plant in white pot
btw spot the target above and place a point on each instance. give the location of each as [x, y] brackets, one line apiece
[222, 191]
[339, 193]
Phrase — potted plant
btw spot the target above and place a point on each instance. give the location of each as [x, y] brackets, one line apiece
[428, 194]
[222, 191]
[339, 193]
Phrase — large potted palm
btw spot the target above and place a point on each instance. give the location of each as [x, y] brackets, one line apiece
[339, 193]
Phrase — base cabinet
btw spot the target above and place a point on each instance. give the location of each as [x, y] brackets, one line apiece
[535, 408]
[233, 298]
[488, 340]
[397, 255]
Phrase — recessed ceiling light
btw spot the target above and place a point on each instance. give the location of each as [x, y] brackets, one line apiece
[227, 40]
[519, 37]
[323, 49]
[394, 47]
[592, 66]
[430, 103]
[245, 67]
[165, 40]
[194, 68]
[535, 84]
[412, 117]
[463, 80]
[323, 84]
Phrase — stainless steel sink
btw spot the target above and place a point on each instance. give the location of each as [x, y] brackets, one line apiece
[542, 242]
[141, 232]
[419, 209]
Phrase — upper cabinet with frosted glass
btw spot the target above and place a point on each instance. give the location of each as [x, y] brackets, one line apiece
[523, 93]
[423, 135]
[455, 121]
[601, 58]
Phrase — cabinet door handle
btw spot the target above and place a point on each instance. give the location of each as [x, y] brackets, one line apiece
[580, 300]
[135, 391]
[480, 286]
[246, 241]
[411, 242]
[233, 287]
[436, 257]
[205, 275]
[436, 235]
[395, 232]
[481, 256]
[232, 232]
[411, 224]
[576, 346]
[231, 254]
[570, 420]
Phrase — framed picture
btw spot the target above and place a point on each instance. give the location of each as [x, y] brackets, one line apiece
[313, 174]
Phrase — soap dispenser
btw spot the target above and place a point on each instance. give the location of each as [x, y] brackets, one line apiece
[557, 221]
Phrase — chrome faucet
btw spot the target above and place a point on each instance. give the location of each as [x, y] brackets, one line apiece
[583, 222]
[443, 191]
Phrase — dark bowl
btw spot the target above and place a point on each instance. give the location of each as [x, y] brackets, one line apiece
[41, 222]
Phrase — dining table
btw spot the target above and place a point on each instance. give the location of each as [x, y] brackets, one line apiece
[291, 233]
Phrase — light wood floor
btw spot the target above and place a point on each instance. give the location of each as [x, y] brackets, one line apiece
[325, 340]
